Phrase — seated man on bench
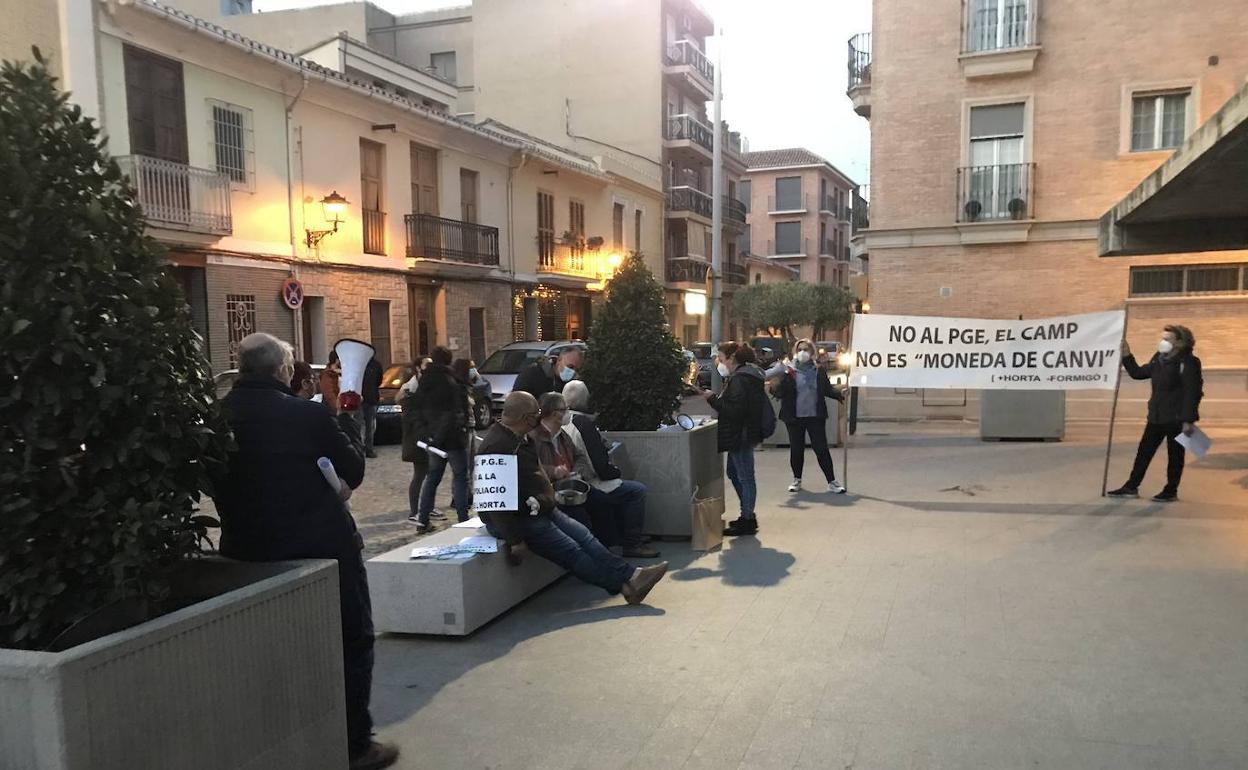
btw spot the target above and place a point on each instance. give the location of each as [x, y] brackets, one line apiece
[548, 532]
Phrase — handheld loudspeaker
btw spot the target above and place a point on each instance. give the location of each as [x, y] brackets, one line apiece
[353, 355]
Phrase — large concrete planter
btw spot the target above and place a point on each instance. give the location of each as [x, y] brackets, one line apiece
[248, 678]
[672, 464]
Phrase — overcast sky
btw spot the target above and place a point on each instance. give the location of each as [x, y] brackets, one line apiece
[784, 71]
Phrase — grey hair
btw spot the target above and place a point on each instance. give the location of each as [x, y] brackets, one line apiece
[576, 393]
[551, 402]
[263, 355]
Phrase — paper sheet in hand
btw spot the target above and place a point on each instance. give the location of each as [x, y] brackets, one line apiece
[1198, 443]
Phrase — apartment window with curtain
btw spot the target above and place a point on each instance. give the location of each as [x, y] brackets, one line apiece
[994, 25]
[617, 227]
[372, 191]
[788, 193]
[997, 177]
[443, 65]
[545, 229]
[233, 145]
[788, 237]
[1159, 120]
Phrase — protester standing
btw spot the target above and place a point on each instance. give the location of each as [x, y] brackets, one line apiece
[740, 407]
[802, 389]
[275, 505]
[549, 375]
[370, 398]
[444, 403]
[414, 429]
[302, 382]
[1173, 407]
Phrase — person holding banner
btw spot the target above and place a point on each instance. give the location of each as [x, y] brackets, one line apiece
[802, 390]
[539, 524]
[740, 407]
[1173, 407]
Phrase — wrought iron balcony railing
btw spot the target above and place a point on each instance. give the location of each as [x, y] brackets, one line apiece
[180, 197]
[430, 237]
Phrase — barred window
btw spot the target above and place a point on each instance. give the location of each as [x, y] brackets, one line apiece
[240, 318]
[1176, 280]
[233, 143]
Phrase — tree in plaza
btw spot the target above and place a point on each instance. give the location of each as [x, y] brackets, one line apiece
[635, 367]
[108, 432]
[779, 307]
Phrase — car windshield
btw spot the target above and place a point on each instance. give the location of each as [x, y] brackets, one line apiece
[395, 376]
[509, 361]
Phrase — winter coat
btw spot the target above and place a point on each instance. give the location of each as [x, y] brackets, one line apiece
[740, 407]
[414, 427]
[372, 383]
[538, 379]
[597, 467]
[533, 481]
[786, 391]
[444, 401]
[274, 503]
[1177, 384]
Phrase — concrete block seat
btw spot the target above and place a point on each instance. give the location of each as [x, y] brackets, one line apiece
[450, 597]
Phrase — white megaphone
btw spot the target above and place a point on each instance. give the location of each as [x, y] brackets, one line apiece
[353, 356]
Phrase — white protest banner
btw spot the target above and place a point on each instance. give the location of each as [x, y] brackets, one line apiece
[1067, 353]
[495, 483]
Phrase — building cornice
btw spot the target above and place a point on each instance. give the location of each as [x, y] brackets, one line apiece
[978, 233]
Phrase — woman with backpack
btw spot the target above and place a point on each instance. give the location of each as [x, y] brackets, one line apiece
[741, 406]
[803, 386]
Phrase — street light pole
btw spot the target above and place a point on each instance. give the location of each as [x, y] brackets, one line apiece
[717, 210]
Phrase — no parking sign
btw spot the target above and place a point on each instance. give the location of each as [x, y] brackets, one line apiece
[292, 293]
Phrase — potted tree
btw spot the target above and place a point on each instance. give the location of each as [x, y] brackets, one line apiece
[119, 643]
[635, 376]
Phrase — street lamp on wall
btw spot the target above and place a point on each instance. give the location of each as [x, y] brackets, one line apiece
[333, 206]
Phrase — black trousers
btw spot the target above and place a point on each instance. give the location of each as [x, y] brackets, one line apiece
[357, 648]
[816, 428]
[1154, 434]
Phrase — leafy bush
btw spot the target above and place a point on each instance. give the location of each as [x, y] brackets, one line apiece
[635, 366]
[107, 427]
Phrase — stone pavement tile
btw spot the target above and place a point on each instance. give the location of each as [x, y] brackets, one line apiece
[882, 689]
[923, 747]
[726, 739]
[829, 745]
[778, 741]
[673, 741]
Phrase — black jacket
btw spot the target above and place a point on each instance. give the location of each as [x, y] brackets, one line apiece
[444, 403]
[786, 391]
[372, 383]
[1177, 387]
[595, 447]
[274, 503]
[538, 379]
[414, 428]
[740, 407]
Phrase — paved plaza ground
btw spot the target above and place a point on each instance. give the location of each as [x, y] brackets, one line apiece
[968, 605]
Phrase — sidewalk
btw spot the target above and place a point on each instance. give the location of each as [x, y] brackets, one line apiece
[968, 605]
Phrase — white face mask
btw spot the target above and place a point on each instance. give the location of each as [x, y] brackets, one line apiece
[803, 356]
[722, 368]
[1165, 346]
[567, 373]
[472, 374]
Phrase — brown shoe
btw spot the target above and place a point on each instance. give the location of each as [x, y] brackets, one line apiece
[641, 552]
[377, 756]
[636, 589]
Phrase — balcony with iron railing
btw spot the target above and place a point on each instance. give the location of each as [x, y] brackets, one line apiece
[558, 257]
[693, 270]
[859, 90]
[998, 193]
[686, 61]
[180, 197]
[691, 139]
[999, 37]
[861, 213]
[735, 214]
[449, 240]
[689, 200]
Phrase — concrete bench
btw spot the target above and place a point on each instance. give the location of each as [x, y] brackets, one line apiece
[450, 597]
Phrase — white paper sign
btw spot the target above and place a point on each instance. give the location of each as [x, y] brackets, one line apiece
[495, 483]
[1067, 353]
[1198, 443]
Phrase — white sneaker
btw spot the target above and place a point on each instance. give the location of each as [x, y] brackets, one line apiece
[835, 488]
[796, 486]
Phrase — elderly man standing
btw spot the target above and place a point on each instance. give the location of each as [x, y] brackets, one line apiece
[547, 531]
[549, 375]
[275, 505]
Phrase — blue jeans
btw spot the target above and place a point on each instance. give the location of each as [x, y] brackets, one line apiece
[558, 538]
[458, 459]
[626, 507]
[741, 474]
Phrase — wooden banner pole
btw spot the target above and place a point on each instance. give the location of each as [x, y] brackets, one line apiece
[1113, 410]
[849, 394]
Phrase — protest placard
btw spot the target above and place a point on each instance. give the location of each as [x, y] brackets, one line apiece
[1066, 353]
[495, 483]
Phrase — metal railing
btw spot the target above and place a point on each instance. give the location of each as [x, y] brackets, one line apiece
[999, 25]
[565, 259]
[431, 237]
[861, 213]
[734, 211]
[860, 60]
[799, 203]
[685, 198]
[687, 52]
[771, 249]
[688, 127]
[180, 197]
[993, 193]
[374, 231]
[736, 275]
[683, 269]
